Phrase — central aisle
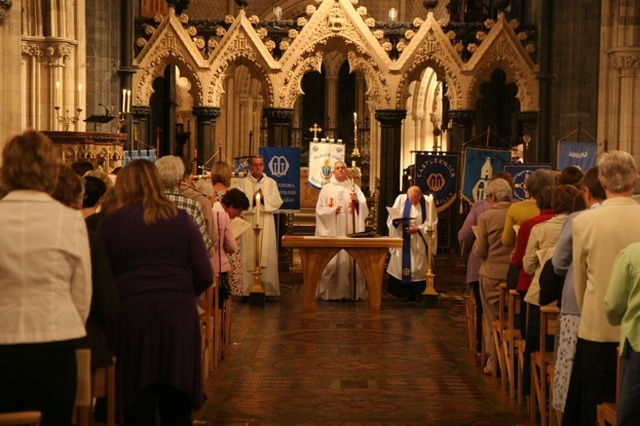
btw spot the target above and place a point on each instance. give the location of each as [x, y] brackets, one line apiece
[346, 365]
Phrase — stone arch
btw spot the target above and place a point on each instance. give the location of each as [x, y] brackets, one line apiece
[216, 87]
[515, 73]
[443, 70]
[359, 60]
[153, 69]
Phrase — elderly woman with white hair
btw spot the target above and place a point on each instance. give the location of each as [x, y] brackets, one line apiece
[495, 256]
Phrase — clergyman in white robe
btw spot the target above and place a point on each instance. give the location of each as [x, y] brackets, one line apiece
[335, 217]
[270, 202]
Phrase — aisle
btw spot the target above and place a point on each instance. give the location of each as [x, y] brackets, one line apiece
[347, 365]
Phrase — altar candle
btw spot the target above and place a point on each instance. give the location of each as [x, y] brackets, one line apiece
[433, 214]
[124, 100]
[257, 209]
[128, 101]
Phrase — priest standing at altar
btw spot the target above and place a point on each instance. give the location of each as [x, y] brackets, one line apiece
[264, 199]
[408, 264]
[341, 209]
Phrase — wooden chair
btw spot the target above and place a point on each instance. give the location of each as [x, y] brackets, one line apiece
[470, 314]
[226, 326]
[608, 411]
[498, 328]
[83, 388]
[21, 418]
[104, 386]
[509, 337]
[541, 365]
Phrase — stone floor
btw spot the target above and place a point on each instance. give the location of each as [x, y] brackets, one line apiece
[347, 365]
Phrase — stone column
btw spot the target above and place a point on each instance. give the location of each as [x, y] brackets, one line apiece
[206, 119]
[390, 147]
[529, 124]
[278, 126]
[626, 61]
[462, 131]
[126, 69]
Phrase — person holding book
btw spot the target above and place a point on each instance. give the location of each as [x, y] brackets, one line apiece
[410, 217]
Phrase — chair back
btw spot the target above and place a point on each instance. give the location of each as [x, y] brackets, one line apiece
[21, 418]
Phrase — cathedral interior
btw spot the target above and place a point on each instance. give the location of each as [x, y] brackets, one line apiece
[388, 78]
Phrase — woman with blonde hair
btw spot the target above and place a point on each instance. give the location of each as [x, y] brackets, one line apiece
[45, 284]
[160, 265]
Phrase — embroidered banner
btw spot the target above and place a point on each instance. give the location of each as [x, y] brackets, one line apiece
[283, 166]
[479, 165]
[437, 175]
[580, 154]
[322, 156]
[520, 172]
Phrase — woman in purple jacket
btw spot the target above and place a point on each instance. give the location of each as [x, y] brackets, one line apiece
[160, 265]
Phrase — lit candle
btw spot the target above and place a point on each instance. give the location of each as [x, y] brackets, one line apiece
[78, 96]
[433, 214]
[56, 99]
[257, 210]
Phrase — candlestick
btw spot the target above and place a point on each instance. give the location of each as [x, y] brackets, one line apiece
[257, 210]
[78, 95]
[432, 219]
[356, 151]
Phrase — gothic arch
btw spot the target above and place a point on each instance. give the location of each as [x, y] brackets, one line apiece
[524, 81]
[216, 88]
[143, 80]
[443, 70]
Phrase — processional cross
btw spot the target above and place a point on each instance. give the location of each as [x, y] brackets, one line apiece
[315, 130]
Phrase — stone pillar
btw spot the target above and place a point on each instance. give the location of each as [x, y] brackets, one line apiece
[390, 147]
[126, 69]
[626, 61]
[278, 126]
[206, 119]
[529, 125]
[462, 131]
[142, 131]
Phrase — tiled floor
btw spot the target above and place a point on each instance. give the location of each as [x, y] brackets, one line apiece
[347, 365]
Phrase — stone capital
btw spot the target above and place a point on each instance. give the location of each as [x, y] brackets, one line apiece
[390, 117]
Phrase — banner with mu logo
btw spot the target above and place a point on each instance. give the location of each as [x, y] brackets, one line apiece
[283, 166]
[437, 175]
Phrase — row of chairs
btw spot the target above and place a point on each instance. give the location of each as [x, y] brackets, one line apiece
[509, 349]
[215, 329]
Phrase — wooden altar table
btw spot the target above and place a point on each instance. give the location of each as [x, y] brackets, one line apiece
[316, 252]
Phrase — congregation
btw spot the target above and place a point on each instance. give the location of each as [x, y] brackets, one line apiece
[554, 281]
[124, 268]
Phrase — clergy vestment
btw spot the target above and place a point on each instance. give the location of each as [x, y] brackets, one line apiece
[270, 202]
[417, 253]
[337, 279]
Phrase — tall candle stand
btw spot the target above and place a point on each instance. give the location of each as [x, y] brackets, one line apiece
[257, 296]
[430, 296]
[122, 120]
[67, 120]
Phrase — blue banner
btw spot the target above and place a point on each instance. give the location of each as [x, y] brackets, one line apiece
[479, 166]
[283, 166]
[520, 173]
[437, 175]
[580, 154]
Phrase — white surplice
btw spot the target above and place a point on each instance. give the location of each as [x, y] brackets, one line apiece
[417, 242]
[268, 239]
[337, 279]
